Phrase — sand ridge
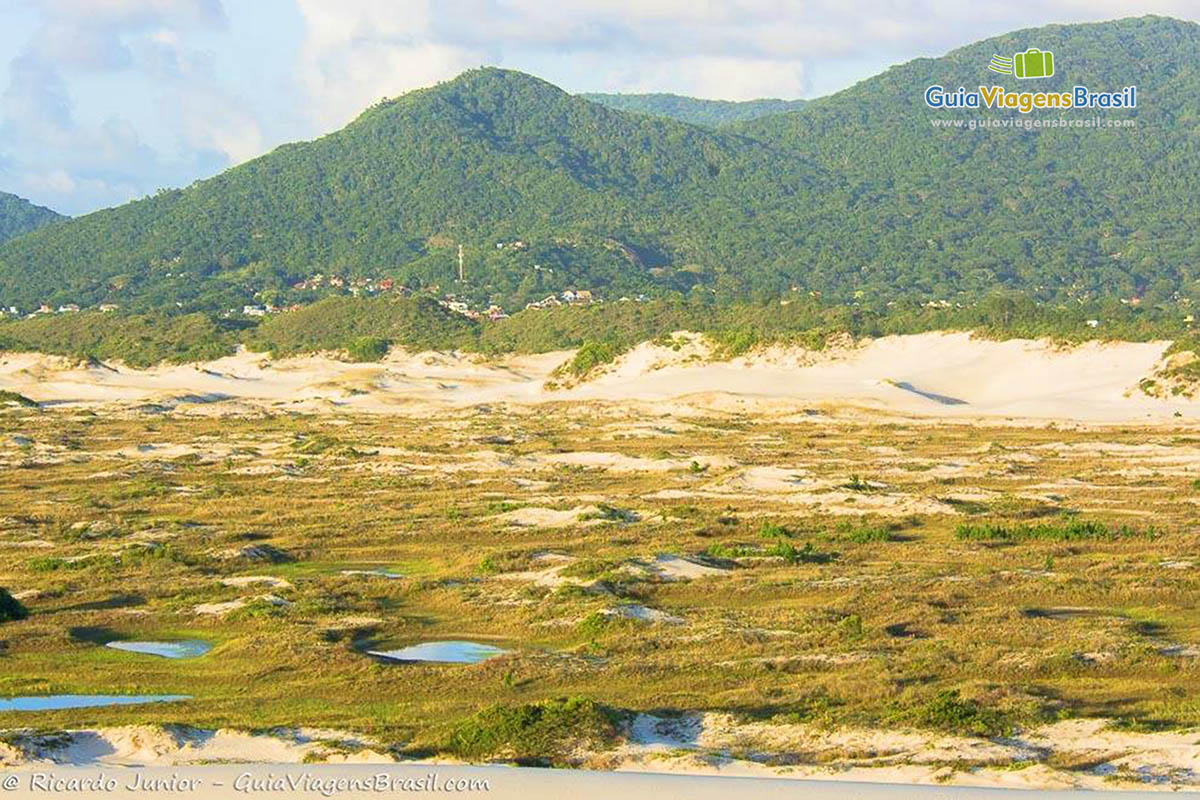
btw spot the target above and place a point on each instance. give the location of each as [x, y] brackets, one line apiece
[1024, 379]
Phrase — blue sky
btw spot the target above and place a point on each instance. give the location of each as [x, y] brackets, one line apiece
[104, 101]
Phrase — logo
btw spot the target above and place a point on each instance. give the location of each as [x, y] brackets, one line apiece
[1033, 63]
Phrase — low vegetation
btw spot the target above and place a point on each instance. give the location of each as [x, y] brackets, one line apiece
[11, 608]
[1070, 530]
[549, 732]
[295, 543]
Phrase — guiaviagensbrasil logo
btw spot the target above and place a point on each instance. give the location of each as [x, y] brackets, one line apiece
[1033, 63]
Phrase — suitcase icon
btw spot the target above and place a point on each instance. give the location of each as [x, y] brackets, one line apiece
[1033, 63]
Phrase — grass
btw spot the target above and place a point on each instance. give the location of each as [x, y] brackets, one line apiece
[761, 639]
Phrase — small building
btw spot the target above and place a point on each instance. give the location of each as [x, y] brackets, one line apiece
[254, 311]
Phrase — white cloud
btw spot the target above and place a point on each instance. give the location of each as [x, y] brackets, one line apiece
[109, 99]
[358, 51]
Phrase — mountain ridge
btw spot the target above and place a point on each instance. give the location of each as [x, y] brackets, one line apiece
[694, 110]
[855, 197]
[19, 216]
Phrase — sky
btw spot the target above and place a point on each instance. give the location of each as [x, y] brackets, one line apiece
[104, 101]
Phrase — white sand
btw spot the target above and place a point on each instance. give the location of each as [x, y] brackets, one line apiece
[709, 746]
[1019, 379]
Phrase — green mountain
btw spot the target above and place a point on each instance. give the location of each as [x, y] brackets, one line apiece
[693, 110]
[544, 189]
[858, 196]
[18, 216]
[1054, 211]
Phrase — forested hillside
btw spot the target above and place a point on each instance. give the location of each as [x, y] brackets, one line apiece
[693, 110]
[857, 197]
[18, 216]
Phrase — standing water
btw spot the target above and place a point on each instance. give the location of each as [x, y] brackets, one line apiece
[442, 652]
[189, 648]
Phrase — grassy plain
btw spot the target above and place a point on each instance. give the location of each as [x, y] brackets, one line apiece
[842, 570]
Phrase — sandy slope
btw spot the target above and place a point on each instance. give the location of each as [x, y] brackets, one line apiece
[1022, 379]
[699, 744]
[1095, 382]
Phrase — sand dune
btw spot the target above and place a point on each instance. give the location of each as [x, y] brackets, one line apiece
[935, 375]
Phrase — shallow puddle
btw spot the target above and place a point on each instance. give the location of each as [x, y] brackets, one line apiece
[442, 652]
[57, 702]
[188, 648]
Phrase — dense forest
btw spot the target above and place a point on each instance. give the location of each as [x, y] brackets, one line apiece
[693, 110]
[856, 198]
[18, 215]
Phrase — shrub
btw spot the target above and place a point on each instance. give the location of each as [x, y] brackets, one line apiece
[7, 396]
[367, 348]
[547, 732]
[10, 607]
[947, 711]
[1071, 530]
[590, 355]
[870, 534]
[770, 530]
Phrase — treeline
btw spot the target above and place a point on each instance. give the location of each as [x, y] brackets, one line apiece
[365, 328]
[856, 197]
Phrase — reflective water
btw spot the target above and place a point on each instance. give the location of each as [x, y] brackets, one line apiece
[443, 652]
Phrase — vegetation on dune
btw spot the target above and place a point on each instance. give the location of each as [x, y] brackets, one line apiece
[1070, 530]
[140, 340]
[590, 355]
[8, 397]
[1098, 626]
[364, 328]
[547, 732]
[950, 712]
[10, 608]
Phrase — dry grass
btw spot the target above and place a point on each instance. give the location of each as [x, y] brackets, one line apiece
[123, 524]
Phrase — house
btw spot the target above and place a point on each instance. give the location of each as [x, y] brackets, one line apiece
[254, 311]
[583, 296]
[495, 312]
[1093, 323]
[69, 308]
[107, 307]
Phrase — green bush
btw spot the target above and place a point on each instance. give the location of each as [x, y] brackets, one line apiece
[7, 396]
[367, 348]
[547, 732]
[10, 607]
[867, 535]
[1071, 530]
[947, 711]
[590, 355]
